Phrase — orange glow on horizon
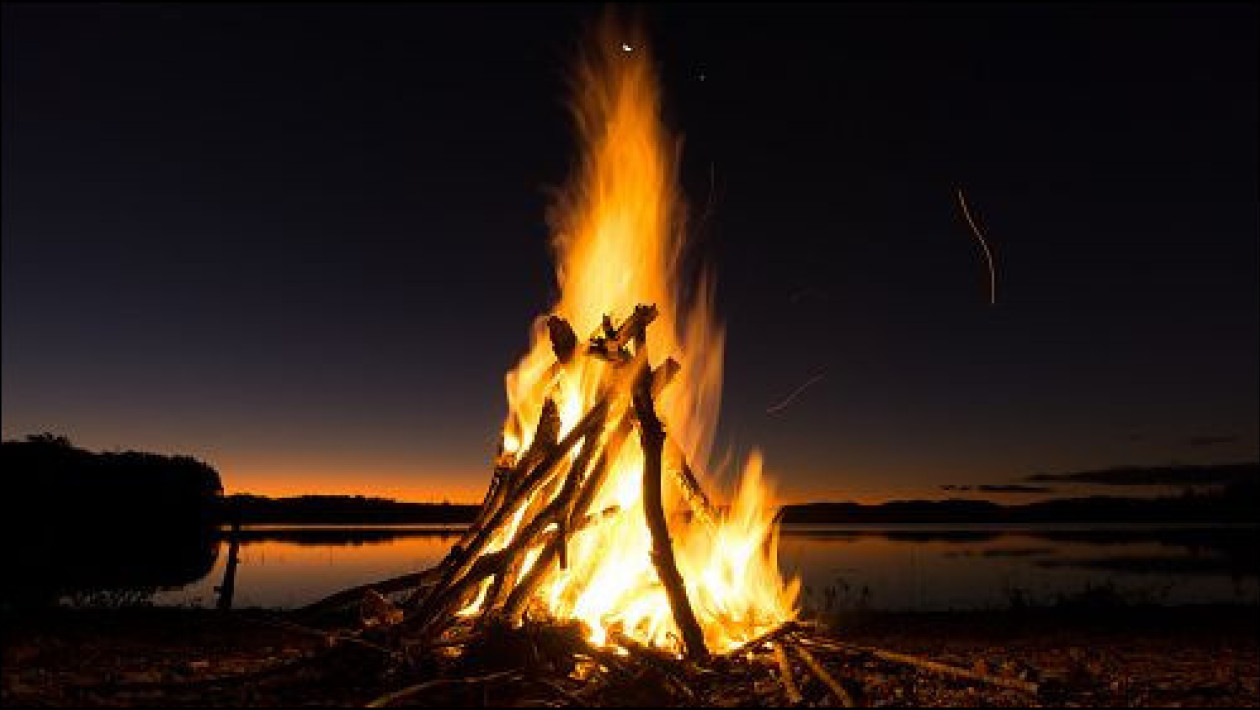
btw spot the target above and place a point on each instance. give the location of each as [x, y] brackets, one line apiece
[406, 483]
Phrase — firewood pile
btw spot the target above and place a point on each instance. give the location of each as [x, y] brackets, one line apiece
[557, 501]
[551, 664]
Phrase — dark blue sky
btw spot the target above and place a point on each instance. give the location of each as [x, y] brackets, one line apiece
[305, 243]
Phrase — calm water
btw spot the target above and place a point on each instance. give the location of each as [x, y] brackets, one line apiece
[880, 567]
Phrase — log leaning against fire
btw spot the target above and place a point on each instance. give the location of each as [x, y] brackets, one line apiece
[557, 502]
[652, 438]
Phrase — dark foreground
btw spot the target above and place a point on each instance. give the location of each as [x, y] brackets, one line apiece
[184, 657]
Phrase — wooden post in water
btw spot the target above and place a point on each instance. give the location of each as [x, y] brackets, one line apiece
[227, 589]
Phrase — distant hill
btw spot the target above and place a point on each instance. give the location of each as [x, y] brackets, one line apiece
[1186, 476]
[1237, 502]
[348, 510]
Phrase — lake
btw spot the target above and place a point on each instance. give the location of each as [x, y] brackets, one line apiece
[886, 567]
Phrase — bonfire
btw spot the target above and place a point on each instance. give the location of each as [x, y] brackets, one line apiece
[598, 567]
[596, 512]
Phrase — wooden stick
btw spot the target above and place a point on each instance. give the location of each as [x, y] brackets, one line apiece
[652, 439]
[785, 674]
[331, 638]
[493, 499]
[663, 375]
[532, 535]
[389, 698]
[538, 513]
[692, 492]
[925, 664]
[353, 595]
[563, 339]
[611, 345]
[505, 575]
[838, 691]
[540, 449]
[564, 502]
[752, 645]
[657, 658]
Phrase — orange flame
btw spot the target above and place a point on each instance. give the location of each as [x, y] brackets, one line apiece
[619, 239]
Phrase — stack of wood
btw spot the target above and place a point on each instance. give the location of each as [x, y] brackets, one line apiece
[796, 664]
[557, 488]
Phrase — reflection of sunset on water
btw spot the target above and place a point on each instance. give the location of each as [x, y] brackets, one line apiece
[275, 573]
[903, 568]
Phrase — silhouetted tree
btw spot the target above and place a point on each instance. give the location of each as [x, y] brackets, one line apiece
[89, 521]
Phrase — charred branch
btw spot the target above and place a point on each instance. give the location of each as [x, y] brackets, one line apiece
[652, 439]
[563, 340]
[611, 344]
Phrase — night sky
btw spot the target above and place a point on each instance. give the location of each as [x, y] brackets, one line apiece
[306, 243]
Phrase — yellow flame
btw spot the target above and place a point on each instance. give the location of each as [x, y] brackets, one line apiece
[618, 237]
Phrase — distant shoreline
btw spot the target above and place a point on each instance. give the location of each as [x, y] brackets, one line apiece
[1230, 506]
[914, 527]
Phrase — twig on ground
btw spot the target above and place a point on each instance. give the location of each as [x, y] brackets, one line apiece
[387, 699]
[785, 675]
[841, 694]
[925, 664]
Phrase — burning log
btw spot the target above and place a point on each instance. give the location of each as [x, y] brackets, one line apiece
[692, 492]
[754, 644]
[611, 344]
[652, 438]
[563, 339]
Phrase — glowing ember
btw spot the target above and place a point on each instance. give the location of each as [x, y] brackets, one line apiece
[619, 238]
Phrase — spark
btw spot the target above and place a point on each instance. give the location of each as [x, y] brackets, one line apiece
[795, 393]
[988, 255]
[626, 48]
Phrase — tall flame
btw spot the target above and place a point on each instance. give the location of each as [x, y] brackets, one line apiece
[619, 238]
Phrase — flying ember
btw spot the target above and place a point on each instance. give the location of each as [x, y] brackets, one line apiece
[597, 510]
